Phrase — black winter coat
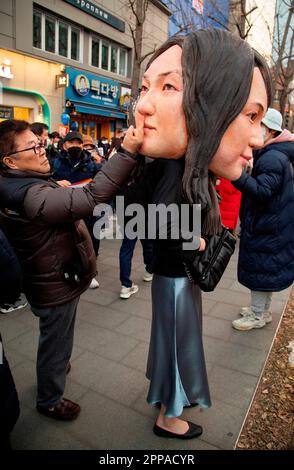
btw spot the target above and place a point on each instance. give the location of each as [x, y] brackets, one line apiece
[65, 168]
[266, 255]
[9, 404]
[10, 272]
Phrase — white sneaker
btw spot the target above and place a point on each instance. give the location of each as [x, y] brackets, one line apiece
[248, 322]
[20, 303]
[245, 311]
[94, 284]
[126, 292]
[147, 276]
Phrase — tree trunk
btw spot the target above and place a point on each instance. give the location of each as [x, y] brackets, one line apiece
[282, 77]
[138, 36]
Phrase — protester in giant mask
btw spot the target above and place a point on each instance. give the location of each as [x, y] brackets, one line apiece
[201, 103]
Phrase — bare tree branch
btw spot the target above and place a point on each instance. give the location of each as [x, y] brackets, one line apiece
[147, 55]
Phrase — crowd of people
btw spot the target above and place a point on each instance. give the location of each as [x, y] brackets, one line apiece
[48, 191]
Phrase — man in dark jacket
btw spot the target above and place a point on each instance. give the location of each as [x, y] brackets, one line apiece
[266, 255]
[10, 285]
[76, 165]
[43, 221]
[73, 163]
[10, 278]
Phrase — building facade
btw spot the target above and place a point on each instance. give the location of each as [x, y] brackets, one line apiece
[72, 57]
[190, 15]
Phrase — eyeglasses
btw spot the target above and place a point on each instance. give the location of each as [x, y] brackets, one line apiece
[37, 149]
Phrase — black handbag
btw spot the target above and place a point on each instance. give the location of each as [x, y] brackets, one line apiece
[209, 265]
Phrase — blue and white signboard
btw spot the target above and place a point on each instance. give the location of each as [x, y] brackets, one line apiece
[89, 89]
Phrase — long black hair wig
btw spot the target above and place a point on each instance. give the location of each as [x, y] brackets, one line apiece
[217, 75]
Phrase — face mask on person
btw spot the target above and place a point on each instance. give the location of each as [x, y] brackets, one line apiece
[74, 152]
[263, 132]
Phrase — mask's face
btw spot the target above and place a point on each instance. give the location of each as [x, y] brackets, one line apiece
[243, 134]
[160, 107]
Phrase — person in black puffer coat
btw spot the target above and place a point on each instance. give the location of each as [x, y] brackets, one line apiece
[44, 224]
[10, 284]
[10, 273]
[266, 256]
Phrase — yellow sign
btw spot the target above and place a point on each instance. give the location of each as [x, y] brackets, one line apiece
[62, 80]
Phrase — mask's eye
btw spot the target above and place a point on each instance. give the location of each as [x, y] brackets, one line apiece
[252, 116]
[168, 86]
[143, 90]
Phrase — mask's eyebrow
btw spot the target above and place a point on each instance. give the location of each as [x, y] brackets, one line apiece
[259, 105]
[164, 74]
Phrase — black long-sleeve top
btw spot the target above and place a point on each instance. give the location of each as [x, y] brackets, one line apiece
[161, 184]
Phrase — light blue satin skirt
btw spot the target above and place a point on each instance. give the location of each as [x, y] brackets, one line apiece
[176, 365]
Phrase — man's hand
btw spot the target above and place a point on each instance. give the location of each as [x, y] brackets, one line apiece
[63, 183]
[133, 138]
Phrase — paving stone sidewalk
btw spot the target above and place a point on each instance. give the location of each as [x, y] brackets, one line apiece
[108, 367]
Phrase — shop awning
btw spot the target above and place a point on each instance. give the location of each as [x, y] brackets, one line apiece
[100, 112]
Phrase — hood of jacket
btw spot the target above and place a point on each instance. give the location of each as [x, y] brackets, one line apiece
[283, 143]
[285, 136]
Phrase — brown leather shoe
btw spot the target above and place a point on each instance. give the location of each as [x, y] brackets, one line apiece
[64, 410]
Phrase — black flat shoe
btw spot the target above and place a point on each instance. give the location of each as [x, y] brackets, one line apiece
[158, 405]
[194, 431]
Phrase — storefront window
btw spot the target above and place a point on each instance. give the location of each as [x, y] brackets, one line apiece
[49, 35]
[104, 61]
[113, 59]
[63, 39]
[75, 44]
[95, 53]
[37, 22]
